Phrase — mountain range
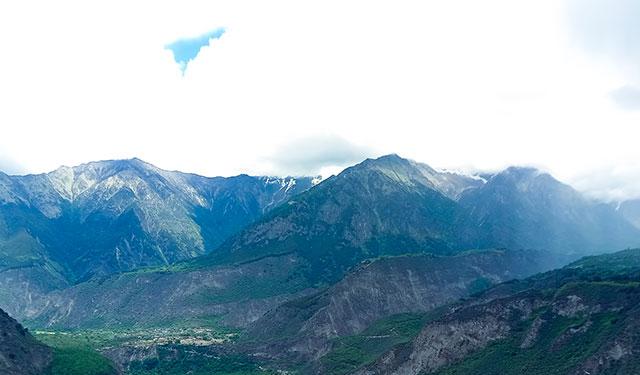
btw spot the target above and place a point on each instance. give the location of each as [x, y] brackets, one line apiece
[393, 206]
[294, 269]
[101, 218]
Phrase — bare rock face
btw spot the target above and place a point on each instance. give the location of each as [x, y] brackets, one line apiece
[238, 295]
[582, 319]
[619, 355]
[304, 328]
[22, 289]
[20, 353]
[532, 333]
[447, 341]
[122, 356]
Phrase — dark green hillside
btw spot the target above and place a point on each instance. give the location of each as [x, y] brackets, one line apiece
[563, 343]
[391, 206]
[386, 206]
[352, 352]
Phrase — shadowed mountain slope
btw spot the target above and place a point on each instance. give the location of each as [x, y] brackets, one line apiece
[112, 216]
[523, 207]
[20, 353]
[391, 205]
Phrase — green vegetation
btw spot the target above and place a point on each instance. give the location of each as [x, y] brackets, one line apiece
[329, 248]
[562, 342]
[77, 352]
[179, 360]
[75, 355]
[479, 285]
[255, 287]
[19, 249]
[352, 352]
[562, 345]
[610, 266]
[181, 350]
[77, 361]
[603, 294]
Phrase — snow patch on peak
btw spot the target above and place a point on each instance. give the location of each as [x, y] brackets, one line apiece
[274, 180]
[62, 180]
[460, 172]
[290, 184]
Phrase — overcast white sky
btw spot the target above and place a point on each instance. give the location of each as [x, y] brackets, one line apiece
[301, 87]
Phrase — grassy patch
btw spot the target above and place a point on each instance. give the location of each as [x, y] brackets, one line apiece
[352, 352]
[75, 355]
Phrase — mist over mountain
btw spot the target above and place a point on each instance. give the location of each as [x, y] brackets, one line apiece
[525, 208]
[631, 211]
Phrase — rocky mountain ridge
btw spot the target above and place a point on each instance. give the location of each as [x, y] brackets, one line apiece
[107, 217]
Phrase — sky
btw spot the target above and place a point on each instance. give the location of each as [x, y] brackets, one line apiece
[309, 87]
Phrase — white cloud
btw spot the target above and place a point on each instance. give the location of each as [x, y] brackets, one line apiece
[608, 29]
[8, 165]
[319, 154]
[611, 183]
[453, 84]
[627, 97]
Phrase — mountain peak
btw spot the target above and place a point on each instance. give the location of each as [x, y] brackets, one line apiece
[518, 171]
[390, 157]
[527, 178]
[70, 182]
[384, 162]
[412, 173]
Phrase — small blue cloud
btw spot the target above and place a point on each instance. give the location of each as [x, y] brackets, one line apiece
[185, 50]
